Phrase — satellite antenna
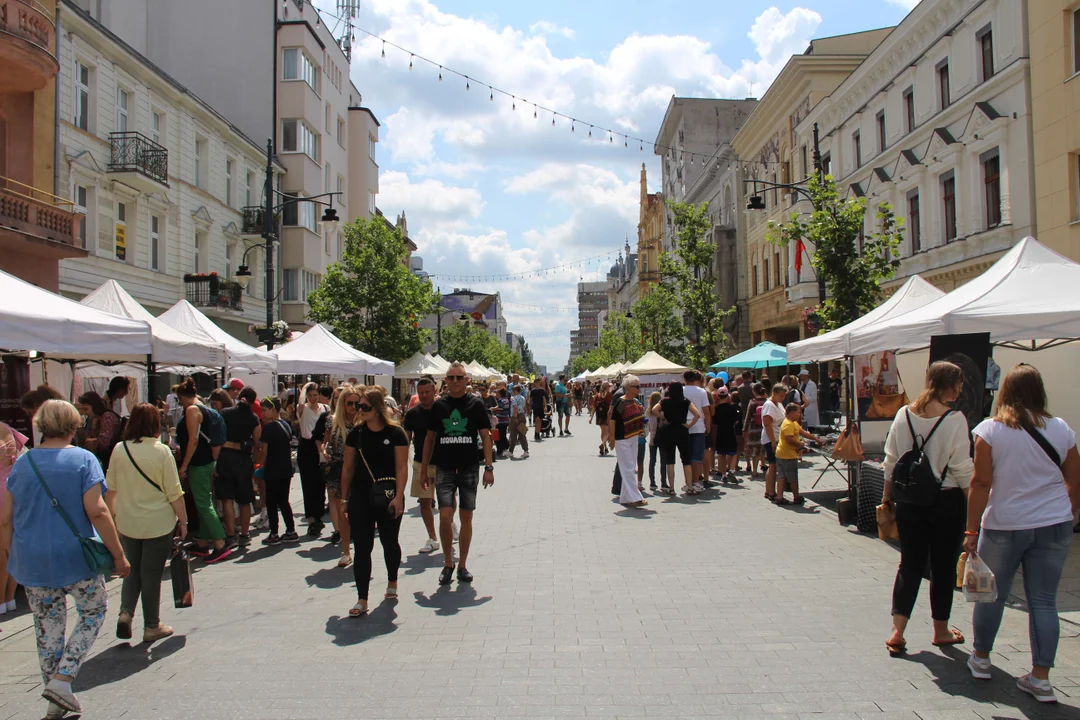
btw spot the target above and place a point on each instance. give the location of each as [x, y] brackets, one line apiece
[347, 10]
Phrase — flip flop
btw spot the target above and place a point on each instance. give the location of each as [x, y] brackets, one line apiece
[357, 610]
[957, 639]
[896, 650]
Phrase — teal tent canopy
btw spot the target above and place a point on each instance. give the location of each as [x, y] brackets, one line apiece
[762, 355]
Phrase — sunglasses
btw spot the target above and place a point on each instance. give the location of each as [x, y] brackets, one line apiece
[351, 403]
[455, 378]
[364, 407]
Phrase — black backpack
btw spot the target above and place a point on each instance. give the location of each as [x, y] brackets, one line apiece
[913, 479]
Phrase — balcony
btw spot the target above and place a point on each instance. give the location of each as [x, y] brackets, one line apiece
[38, 215]
[210, 291]
[27, 36]
[253, 225]
[139, 162]
[652, 276]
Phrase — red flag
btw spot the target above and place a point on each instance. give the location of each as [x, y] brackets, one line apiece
[799, 250]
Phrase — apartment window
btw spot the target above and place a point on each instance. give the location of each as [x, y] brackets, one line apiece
[228, 260]
[805, 164]
[371, 148]
[856, 143]
[326, 242]
[882, 137]
[229, 181]
[81, 100]
[991, 162]
[328, 128]
[1076, 40]
[155, 243]
[776, 267]
[157, 124]
[765, 274]
[986, 53]
[341, 186]
[296, 136]
[341, 132]
[371, 203]
[81, 195]
[248, 178]
[944, 98]
[123, 101]
[121, 232]
[297, 65]
[201, 162]
[306, 216]
[948, 197]
[290, 286]
[909, 110]
[198, 244]
[826, 163]
[914, 221]
[289, 210]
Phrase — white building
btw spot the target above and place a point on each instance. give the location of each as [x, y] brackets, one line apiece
[160, 178]
[936, 122]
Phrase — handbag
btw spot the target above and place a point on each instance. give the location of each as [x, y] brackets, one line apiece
[885, 407]
[383, 490]
[180, 571]
[98, 558]
[848, 446]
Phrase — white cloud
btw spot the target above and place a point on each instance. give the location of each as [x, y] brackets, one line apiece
[429, 203]
[906, 4]
[545, 27]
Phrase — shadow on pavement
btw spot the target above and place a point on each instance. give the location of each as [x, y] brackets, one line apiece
[346, 630]
[643, 513]
[123, 660]
[421, 562]
[450, 602]
[263, 552]
[330, 578]
[324, 552]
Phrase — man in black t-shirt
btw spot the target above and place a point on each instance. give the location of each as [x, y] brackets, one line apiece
[538, 398]
[456, 423]
[416, 424]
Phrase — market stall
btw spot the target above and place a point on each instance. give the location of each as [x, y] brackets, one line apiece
[320, 352]
[415, 367]
[764, 355]
[655, 372]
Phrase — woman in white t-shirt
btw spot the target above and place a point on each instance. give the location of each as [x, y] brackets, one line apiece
[1020, 514]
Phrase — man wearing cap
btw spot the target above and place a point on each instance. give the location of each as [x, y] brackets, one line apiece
[233, 388]
[811, 416]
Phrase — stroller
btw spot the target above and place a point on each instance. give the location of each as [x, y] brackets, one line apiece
[547, 425]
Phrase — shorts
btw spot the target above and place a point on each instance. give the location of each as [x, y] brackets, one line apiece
[464, 482]
[642, 444]
[232, 479]
[726, 445]
[416, 489]
[787, 470]
[770, 454]
[697, 447]
[563, 408]
[670, 438]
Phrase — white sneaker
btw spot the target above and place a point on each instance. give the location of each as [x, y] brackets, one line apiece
[1041, 690]
[979, 667]
[512, 456]
[524, 455]
[455, 532]
[699, 486]
[55, 712]
[430, 546]
[260, 522]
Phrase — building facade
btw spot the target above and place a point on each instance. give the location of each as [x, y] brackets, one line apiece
[624, 285]
[935, 122]
[37, 225]
[592, 299]
[768, 150]
[1054, 43]
[159, 182]
[650, 236]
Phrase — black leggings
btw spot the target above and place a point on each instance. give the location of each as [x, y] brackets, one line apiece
[277, 500]
[311, 480]
[671, 437]
[363, 518]
[936, 532]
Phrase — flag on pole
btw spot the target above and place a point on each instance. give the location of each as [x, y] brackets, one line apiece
[799, 250]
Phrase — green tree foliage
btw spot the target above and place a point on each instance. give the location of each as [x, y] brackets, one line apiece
[853, 278]
[621, 338]
[662, 330]
[528, 362]
[595, 359]
[467, 342]
[370, 298]
[688, 272]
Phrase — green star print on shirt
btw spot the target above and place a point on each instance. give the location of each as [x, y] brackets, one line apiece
[455, 425]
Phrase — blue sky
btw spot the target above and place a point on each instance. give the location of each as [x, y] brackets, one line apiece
[490, 190]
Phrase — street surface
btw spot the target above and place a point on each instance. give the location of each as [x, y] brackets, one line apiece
[717, 606]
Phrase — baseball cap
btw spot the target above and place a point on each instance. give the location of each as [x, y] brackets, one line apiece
[722, 391]
[235, 384]
[804, 371]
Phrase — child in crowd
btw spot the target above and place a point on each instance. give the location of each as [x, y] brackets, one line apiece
[277, 471]
[752, 430]
[727, 422]
[788, 451]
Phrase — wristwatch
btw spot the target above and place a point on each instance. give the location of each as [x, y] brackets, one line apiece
[489, 468]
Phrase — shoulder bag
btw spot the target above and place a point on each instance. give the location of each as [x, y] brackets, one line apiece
[383, 490]
[1047, 448]
[139, 469]
[98, 558]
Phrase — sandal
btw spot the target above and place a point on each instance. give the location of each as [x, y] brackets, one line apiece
[798, 500]
[897, 649]
[123, 626]
[391, 592]
[956, 639]
[770, 496]
[360, 608]
[345, 561]
[781, 501]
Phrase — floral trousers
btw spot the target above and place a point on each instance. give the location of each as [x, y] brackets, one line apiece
[49, 606]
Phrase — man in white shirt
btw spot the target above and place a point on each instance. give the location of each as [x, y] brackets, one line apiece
[772, 416]
[811, 416]
[699, 431]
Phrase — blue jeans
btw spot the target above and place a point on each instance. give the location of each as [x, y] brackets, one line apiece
[653, 449]
[1042, 553]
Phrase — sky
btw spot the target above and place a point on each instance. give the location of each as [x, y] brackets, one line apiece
[489, 190]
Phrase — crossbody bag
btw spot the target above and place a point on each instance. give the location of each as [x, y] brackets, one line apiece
[139, 469]
[383, 490]
[1042, 442]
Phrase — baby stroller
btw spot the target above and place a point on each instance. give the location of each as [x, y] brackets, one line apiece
[547, 425]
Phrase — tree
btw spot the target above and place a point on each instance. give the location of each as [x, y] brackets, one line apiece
[688, 272]
[370, 298]
[595, 359]
[662, 331]
[467, 342]
[852, 276]
[528, 362]
[621, 338]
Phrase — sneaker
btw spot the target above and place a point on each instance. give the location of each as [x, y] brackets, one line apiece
[290, 537]
[260, 522]
[335, 538]
[1038, 689]
[272, 539]
[525, 456]
[560, 433]
[161, 632]
[979, 667]
[464, 575]
[698, 487]
[243, 540]
[230, 541]
[60, 694]
[314, 529]
[430, 546]
[220, 554]
[55, 712]
[199, 550]
[455, 532]
[568, 431]
[512, 456]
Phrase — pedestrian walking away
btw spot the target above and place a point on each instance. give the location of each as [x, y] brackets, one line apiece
[330, 433]
[277, 472]
[562, 405]
[234, 476]
[601, 409]
[538, 400]
[416, 423]
[699, 429]
[519, 430]
[197, 467]
[307, 459]
[678, 415]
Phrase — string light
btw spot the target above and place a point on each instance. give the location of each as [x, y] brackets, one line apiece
[410, 62]
[440, 73]
[384, 49]
[539, 272]
[491, 95]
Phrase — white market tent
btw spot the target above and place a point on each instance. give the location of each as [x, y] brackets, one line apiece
[1027, 296]
[62, 329]
[171, 347]
[835, 344]
[653, 363]
[416, 366]
[320, 352]
[439, 362]
[477, 371]
[239, 356]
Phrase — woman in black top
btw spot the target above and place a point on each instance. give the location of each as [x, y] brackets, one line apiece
[277, 471]
[197, 472]
[376, 457]
[236, 466]
[675, 433]
[600, 411]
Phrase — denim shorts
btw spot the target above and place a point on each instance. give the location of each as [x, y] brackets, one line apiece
[770, 454]
[464, 482]
[697, 447]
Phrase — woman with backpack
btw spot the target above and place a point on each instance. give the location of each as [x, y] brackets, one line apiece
[674, 409]
[1020, 515]
[927, 471]
[197, 459]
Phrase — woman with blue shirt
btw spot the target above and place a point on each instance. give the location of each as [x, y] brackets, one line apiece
[46, 557]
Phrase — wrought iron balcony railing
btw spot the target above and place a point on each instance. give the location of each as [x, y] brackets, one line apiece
[253, 220]
[134, 152]
[213, 292]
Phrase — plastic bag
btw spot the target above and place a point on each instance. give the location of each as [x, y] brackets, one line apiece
[886, 522]
[979, 582]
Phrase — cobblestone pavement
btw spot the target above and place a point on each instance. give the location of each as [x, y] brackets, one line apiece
[719, 606]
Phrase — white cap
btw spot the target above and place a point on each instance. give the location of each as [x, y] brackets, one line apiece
[804, 371]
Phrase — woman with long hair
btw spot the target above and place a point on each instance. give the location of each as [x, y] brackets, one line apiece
[331, 442]
[674, 409]
[373, 478]
[99, 431]
[932, 531]
[146, 499]
[277, 472]
[601, 409]
[197, 467]
[12, 444]
[1020, 515]
[235, 468]
[307, 458]
[220, 400]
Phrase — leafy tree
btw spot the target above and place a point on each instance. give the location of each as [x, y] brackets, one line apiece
[467, 342]
[528, 362]
[595, 359]
[688, 272]
[853, 278]
[370, 298]
[662, 330]
[621, 338]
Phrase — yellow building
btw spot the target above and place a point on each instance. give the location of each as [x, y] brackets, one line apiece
[650, 236]
[1054, 32]
[765, 145]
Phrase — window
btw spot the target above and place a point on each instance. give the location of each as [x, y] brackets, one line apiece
[1076, 40]
[948, 196]
[228, 182]
[943, 84]
[296, 136]
[914, 221]
[228, 260]
[991, 162]
[80, 196]
[882, 137]
[755, 280]
[341, 132]
[289, 209]
[248, 178]
[298, 66]
[123, 101]
[986, 53]
[371, 203]
[202, 161]
[341, 186]
[826, 163]
[371, 148]
[81, 100]
[909, 110]
[289, 285]
[155, 243]
[157, 124]
[856, 143]
[326, 242]
[805, 165]
[306, 216]
[202, 252]
[776, 266]
[121, 232]
[326, 177]
[328, 128]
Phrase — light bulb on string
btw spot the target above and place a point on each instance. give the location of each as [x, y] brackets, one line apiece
[610, 138]
[571, 126]
[384, 48]
[590, 130]
[491, 94]
[552, 119]
[440, 73]
[466, 83]
[410, 61]
[513, 103]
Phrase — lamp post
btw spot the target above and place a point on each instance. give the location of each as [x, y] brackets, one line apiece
[243, 275]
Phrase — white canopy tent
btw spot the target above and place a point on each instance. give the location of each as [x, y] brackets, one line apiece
[1028, 296]
[477, 371]
[239, 356]
[439, 362]
[653, 363]
[62, 329]
[171, 347]
[320, 352]
[835, 344]
[415, 367]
